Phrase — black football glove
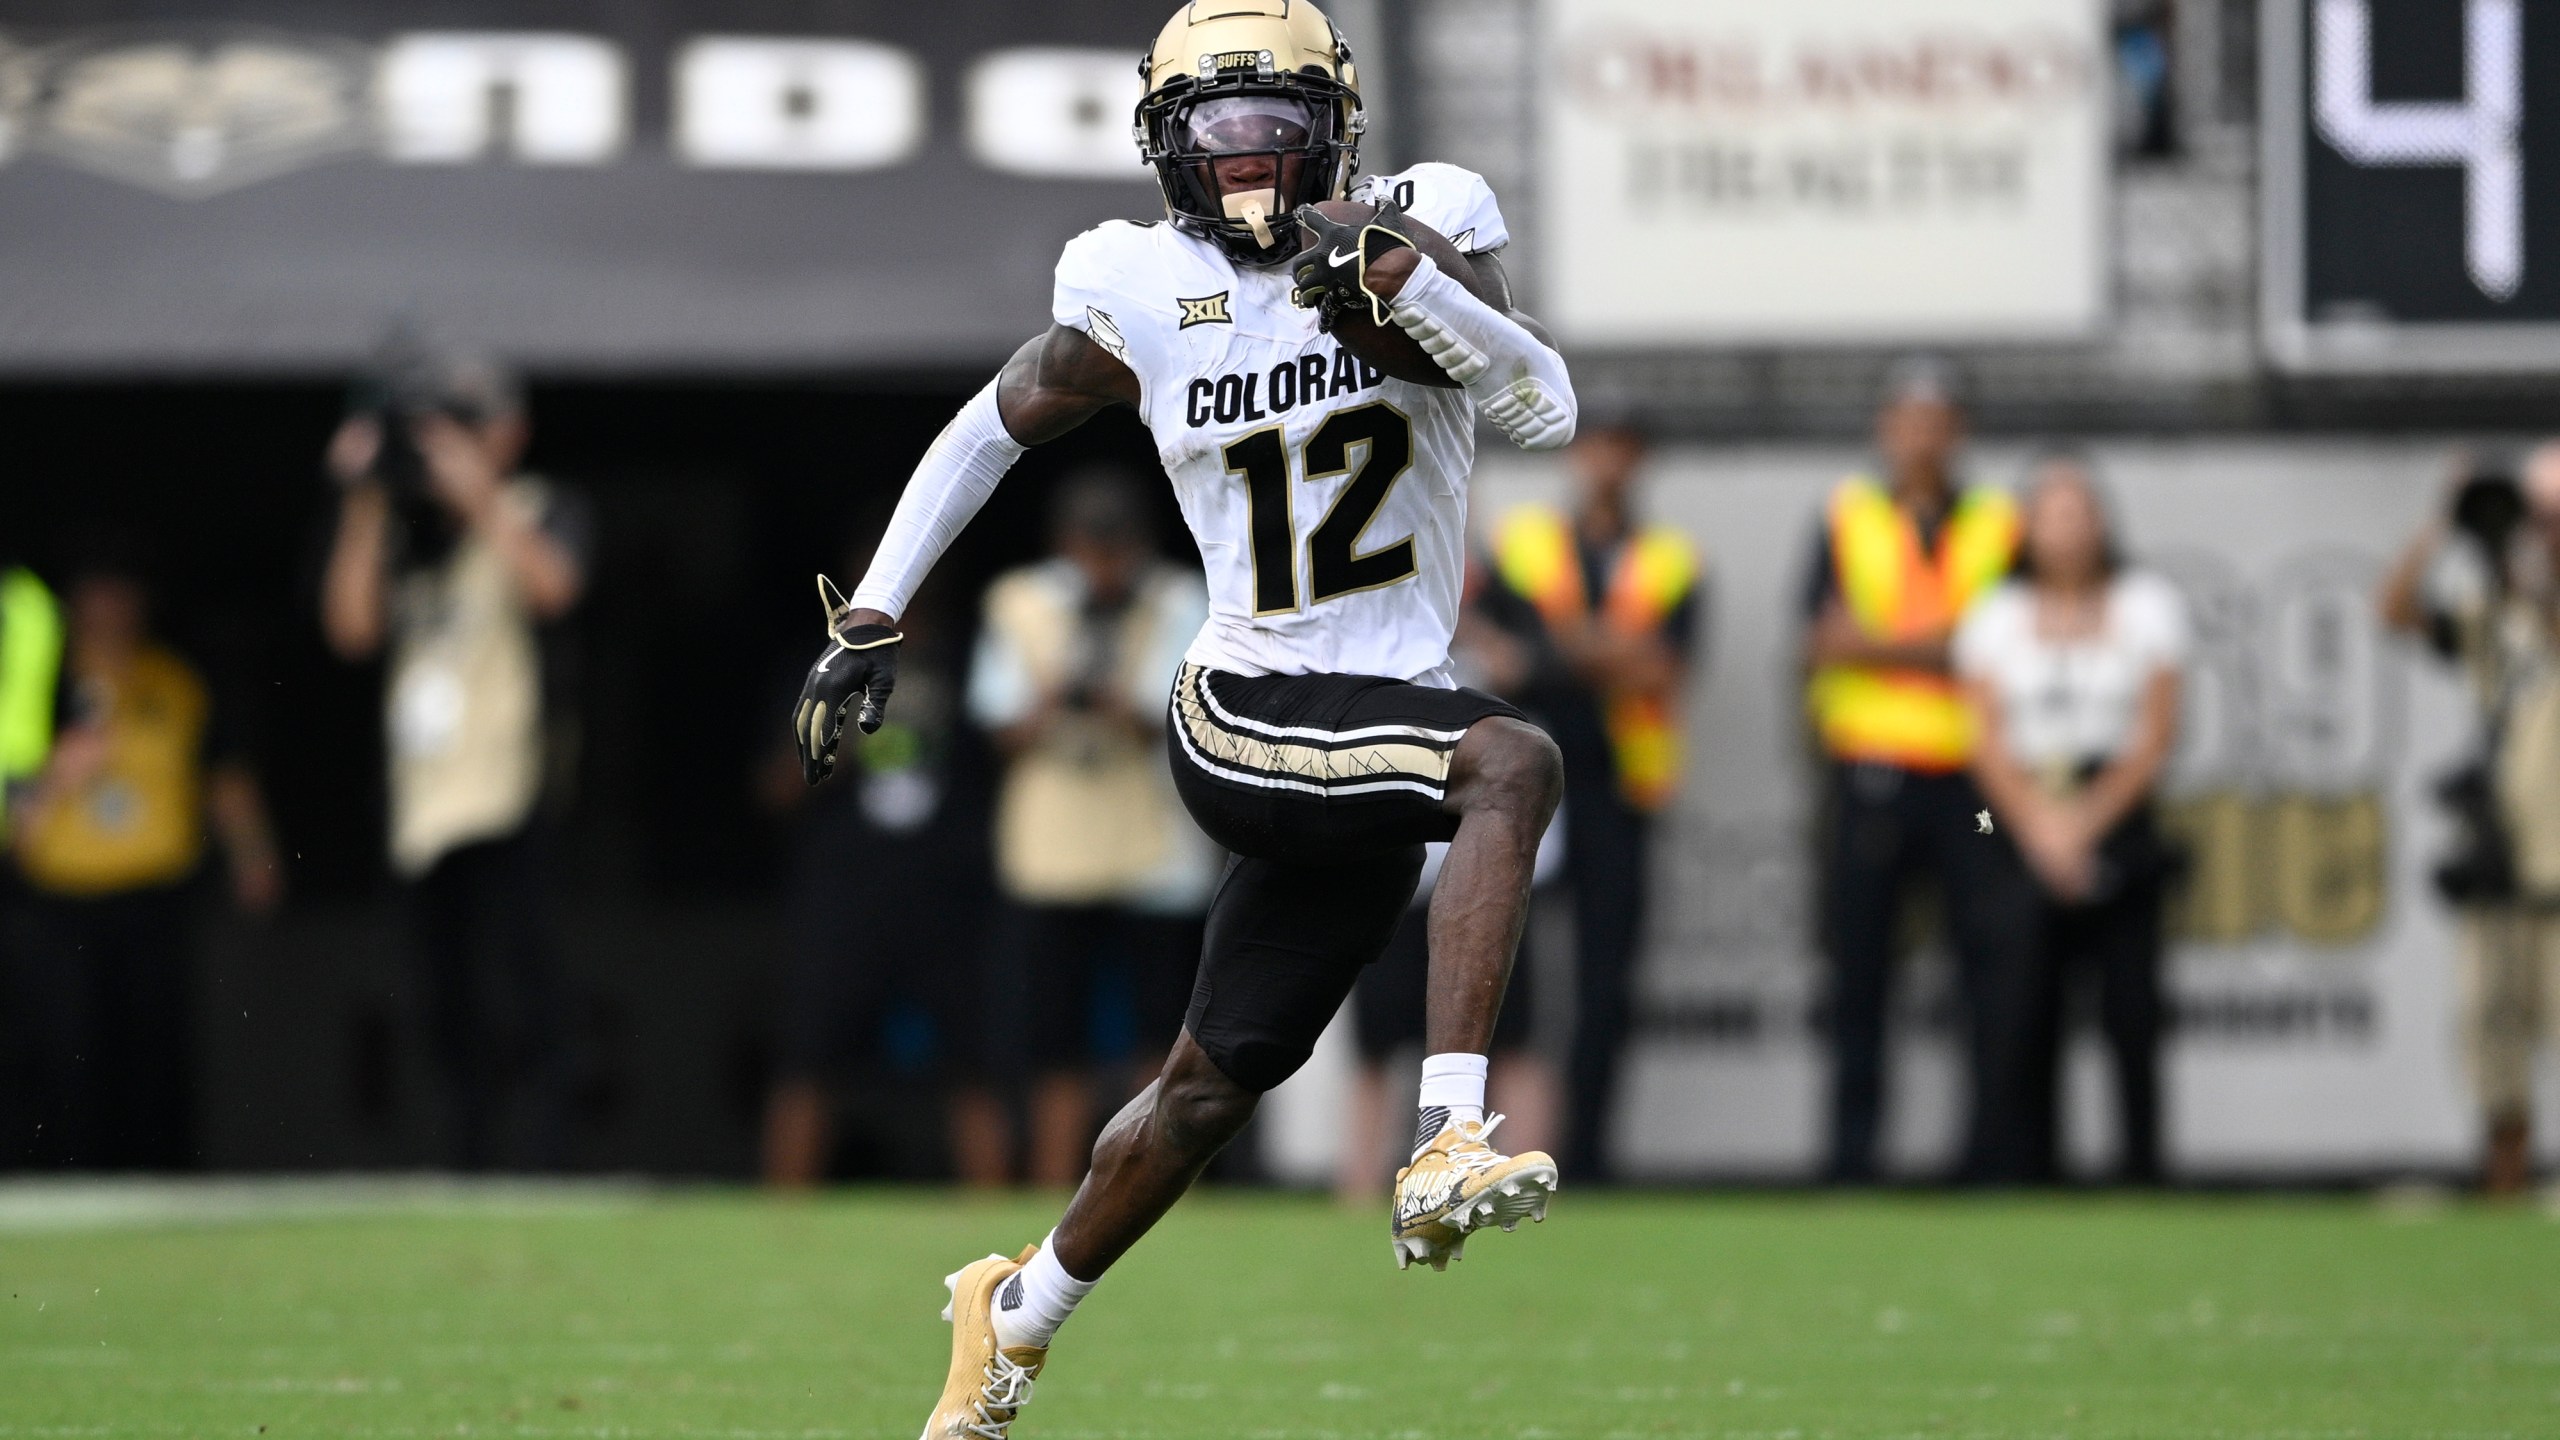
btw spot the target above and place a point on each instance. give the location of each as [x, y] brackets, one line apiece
[860, 663]
[1332, 272]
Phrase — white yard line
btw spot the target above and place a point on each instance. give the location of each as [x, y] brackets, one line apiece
[30, 1206]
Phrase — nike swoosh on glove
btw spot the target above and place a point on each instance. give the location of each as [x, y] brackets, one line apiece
[1332, 273]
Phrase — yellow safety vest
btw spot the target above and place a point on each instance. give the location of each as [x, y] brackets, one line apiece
[1916, 719]
[30, 663]
[139, 822]
[1535, 549]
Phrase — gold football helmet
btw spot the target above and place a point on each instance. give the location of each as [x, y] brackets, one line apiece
[1252, 109]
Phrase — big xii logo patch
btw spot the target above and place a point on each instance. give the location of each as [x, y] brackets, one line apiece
[1207, 310]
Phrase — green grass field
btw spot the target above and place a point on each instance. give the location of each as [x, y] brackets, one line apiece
[1256, 1317]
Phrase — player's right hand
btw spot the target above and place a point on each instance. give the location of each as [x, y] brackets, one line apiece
[1332, 272]
[860, 664]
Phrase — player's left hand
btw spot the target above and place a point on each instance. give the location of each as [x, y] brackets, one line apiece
[860, 663]
[1332, 273]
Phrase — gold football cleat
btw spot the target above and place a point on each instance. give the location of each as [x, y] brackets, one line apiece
[1458, 1185]
[988, 1385]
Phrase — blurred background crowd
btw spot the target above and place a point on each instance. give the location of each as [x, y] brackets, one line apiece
[2052, 616]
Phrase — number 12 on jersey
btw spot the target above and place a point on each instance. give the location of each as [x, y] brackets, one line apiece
[1335, 564]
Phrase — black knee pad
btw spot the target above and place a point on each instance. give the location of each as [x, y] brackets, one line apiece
[1285, 943]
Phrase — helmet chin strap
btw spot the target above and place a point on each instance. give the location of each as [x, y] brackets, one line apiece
[1254, 208]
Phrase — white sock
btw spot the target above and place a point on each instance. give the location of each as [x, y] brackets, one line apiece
[1038, 1299]
[1452, 1092]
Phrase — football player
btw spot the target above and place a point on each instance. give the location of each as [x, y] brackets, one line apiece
[1314, 729]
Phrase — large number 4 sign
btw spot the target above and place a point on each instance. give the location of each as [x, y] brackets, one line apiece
[2481, 132]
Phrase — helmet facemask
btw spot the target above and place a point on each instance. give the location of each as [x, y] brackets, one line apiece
[1235, 155]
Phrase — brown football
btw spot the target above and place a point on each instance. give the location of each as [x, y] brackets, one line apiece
[1385, 346]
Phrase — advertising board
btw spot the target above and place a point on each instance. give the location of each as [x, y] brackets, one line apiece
[1823, 171]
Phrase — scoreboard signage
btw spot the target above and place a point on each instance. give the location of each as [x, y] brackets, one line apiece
[2412, 185]
[580, 184]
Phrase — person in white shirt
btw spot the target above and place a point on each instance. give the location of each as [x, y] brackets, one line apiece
[2074, 669]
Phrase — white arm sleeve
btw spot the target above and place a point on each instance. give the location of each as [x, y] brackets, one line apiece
[953, 479]
[1518, 382]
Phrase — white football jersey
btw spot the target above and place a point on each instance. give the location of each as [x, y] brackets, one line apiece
[1329, 501]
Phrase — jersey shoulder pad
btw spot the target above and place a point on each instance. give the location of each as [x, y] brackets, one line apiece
[1451, 199]
[1102, 282]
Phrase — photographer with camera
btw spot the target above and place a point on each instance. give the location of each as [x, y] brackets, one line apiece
[451, 566]
[1095, 855]
[2481, 586]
